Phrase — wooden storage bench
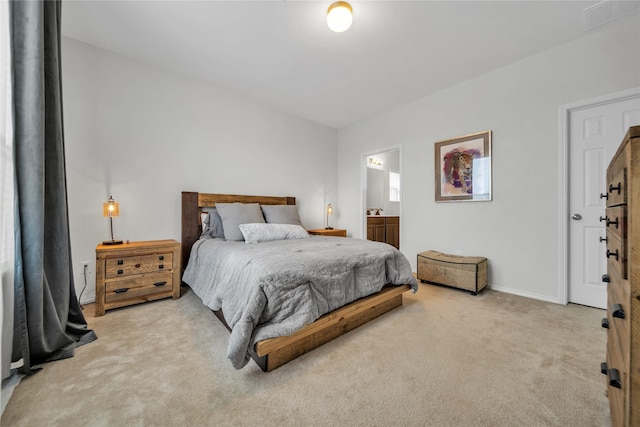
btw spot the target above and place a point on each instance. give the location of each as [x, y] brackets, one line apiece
[464, 272]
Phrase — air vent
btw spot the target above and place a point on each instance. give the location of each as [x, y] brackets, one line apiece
[607, 11]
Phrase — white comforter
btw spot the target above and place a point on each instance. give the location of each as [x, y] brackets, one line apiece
[272, 289]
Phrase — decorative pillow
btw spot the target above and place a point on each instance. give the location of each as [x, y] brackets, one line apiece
[211, 225]
[234, 214]
[255, 233]
[281, 214]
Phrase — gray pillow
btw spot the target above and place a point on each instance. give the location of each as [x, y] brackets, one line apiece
[234, 214]
[281, 214]
[212, 225]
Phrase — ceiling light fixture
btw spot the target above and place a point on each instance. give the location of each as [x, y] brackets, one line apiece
[339, 16]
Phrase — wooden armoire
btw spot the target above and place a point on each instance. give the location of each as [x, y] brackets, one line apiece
[622, 219]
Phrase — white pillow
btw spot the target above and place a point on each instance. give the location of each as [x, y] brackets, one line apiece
[265, 232]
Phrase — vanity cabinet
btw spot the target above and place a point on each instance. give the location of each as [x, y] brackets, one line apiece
[384, 229]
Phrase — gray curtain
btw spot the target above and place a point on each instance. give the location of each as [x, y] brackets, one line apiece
[48, 319]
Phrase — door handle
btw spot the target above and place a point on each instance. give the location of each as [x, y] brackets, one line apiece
[577, 217]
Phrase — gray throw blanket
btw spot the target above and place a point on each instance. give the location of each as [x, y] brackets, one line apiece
[273, 289]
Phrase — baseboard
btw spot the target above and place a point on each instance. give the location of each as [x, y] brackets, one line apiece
[518, 292]
[88, 300]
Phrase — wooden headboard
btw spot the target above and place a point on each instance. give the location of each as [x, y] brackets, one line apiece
[193, 204]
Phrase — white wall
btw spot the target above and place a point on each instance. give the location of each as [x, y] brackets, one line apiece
[144, 135]
[518, 230]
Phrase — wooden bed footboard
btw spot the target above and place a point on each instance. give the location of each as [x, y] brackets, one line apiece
[274, 352]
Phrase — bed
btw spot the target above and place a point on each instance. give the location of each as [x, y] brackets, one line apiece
[267, 344]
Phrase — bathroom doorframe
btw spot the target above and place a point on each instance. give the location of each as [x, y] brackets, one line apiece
[363, 189]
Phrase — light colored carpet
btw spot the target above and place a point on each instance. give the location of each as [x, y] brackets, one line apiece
[445, 358]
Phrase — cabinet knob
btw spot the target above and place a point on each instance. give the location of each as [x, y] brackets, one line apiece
[161, 257]
[120, 262]
[161, 266]
[617, 311]
[604, 323]
[614, 378]
[120, 271]
[614, 254]
[604, 196]
[604, 369]
[605, 278]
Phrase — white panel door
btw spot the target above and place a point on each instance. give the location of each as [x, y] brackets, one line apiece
[594, 136]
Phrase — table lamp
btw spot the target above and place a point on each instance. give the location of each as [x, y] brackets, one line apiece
[329, 212]
[110, 209]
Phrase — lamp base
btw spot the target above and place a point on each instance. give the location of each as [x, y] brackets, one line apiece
[328, 228]
[112, 242]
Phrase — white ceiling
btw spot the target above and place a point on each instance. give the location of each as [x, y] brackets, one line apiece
[282, 54]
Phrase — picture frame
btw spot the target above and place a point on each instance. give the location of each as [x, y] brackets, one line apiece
[463, 168]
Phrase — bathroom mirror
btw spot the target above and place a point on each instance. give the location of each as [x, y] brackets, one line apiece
[380, 192]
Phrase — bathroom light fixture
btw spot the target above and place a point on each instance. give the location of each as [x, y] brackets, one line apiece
[329, 213]
[339, 16]
[375, 162]
[110, 209]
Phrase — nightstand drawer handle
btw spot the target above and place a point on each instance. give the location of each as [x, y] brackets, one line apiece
[614, 254]
[120, 262]
[617, 311]
[120, 271]
[161, 257]
[603, 368]
[605, 323]
[159, 283]
[609, 222]
[120, 290]
[614, 378]
[161, 266]
[605, 278]
[137, 265]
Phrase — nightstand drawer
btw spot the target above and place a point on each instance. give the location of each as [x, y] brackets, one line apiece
[137, 286]
[126, 266]
[337, 232]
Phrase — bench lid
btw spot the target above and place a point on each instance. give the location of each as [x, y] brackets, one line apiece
[454, 259]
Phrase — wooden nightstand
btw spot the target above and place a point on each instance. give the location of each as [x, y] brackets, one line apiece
[339, 232]
[136, 272]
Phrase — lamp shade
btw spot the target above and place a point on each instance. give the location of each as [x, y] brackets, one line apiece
[339, 16]
[110, 208]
